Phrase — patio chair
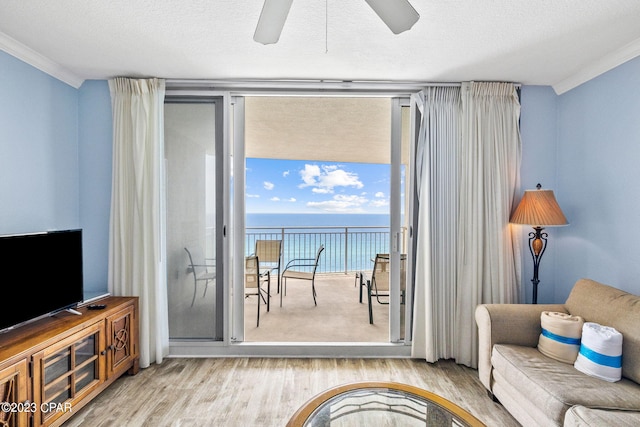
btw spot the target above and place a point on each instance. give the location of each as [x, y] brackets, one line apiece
[380, 278]
[379, 284]
[200, 269]
[269, 252]
[303, 269]
[253, 280]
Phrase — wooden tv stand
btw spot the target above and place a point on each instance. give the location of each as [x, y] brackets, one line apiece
[52, 367]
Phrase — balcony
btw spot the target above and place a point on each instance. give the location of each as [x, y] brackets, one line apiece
[339, 315]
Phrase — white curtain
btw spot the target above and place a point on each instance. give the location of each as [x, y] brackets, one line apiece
[437, 172]
[470, 146]
[136, 245]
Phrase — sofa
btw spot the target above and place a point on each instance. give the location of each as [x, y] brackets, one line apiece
[539, 390]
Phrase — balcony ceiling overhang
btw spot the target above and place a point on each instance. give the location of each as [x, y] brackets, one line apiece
[331, 129]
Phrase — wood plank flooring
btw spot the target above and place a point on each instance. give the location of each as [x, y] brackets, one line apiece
[266, 391]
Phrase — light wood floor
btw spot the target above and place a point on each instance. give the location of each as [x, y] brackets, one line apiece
[267, 391]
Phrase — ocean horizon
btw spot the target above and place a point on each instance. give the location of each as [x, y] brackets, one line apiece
[289, 220]
[349, 245]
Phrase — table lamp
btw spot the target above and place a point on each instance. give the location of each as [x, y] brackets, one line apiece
[539, 209]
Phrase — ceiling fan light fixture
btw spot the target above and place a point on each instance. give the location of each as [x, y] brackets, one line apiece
[272, 18]
[398, 15]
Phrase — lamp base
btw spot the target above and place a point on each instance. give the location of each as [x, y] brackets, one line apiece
[535, 282]
[537, 245]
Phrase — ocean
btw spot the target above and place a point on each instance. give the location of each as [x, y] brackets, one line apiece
[321, 220]
[351, 241]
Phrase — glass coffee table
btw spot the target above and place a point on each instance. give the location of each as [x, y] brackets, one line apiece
[380, 403]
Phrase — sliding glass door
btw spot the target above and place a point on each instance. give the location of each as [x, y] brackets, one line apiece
[401, 255]
[217, 160]
[307, 168]
[193, 142]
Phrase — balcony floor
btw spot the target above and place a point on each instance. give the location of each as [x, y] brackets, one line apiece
[338, 317]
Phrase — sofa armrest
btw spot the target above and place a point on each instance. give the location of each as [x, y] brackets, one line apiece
[517, 324]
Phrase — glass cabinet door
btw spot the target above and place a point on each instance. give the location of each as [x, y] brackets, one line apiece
[67, 372]
[57, 377]
[86, 363]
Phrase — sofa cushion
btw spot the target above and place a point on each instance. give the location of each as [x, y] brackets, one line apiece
[579, 416]
[513, 400]
[612, 307]
[554, 387]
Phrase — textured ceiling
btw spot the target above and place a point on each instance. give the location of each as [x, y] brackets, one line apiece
[543, 42]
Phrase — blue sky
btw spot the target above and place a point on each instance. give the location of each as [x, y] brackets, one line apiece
[297, 186]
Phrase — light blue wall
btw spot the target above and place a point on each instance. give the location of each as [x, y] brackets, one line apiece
[539, 128]
[95, 135]
[39, 173]
[55, 160]
[598, 160]
[585, 145]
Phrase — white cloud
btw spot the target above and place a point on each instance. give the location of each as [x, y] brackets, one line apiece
[253, 196]
[379, 203]
[268, 185]
[278, 199]
[340, 178]
[285, 173]
[319, 190]
[341, 203]
[325, 179]
[309, 175]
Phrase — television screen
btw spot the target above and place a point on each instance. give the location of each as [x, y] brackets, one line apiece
[40, 274]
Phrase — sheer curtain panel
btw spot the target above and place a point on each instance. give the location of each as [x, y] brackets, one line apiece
[437, 187]
[469, 143]
[136, 246]
[490, 150]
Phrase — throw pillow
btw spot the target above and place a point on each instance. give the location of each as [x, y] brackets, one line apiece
[600, 352]
[560, 337]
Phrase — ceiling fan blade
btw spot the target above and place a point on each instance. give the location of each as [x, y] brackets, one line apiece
[399, 15]
[274, 14]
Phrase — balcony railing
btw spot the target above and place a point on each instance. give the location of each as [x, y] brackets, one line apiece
[347, 248]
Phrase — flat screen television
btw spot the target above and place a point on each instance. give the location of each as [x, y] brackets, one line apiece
[40, 275]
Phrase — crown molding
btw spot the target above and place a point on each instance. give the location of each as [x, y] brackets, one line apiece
[601, 66]
[42, 63]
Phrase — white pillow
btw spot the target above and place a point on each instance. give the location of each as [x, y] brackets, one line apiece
[560, 337]
[600, 352]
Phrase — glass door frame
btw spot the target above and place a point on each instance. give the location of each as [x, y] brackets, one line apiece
[395, 226]
[222, 186]
[395, 146]
[236, 320]
[232, 215]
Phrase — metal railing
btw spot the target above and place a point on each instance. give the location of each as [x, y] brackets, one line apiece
[347, 248]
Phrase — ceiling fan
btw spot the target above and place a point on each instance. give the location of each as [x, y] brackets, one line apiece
[398, 15]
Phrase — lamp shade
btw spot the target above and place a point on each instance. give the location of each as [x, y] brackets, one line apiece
[538, 208]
